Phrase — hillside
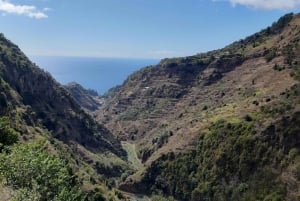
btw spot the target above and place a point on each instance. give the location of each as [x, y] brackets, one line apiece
[35, 109]
[48, 103]
[222, 125]
[88, 99]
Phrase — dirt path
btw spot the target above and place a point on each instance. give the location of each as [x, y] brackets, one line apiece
[134, 197]
[137, 164]
[131, 154]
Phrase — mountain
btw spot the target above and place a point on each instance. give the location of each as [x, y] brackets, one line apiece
[47, 104]
[34, 108]
[87, 98]
[221, 125]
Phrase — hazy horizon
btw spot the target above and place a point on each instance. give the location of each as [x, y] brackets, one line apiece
[134, 28]
[99, 74]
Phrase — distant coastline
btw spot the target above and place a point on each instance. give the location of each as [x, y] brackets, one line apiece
[99, 74]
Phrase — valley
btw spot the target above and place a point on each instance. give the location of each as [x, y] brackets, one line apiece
[131, 155]
[174, 108]
[221, 125]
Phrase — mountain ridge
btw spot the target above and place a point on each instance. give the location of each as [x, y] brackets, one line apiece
[163, 109]
[173, 80]
[87, 98]
[221, 125]
[18, 72]
[42, 111]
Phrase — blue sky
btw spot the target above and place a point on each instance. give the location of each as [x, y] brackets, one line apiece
[134, 28]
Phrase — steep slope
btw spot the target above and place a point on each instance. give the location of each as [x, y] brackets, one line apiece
[88, 99]
[50, 104]
[209, 124]
[39, 108]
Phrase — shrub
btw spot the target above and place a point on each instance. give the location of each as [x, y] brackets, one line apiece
[3, 100]
[8, 135]
[271, 54]
[231, 162]
[248, 118]
[36, 175]
[278, 68]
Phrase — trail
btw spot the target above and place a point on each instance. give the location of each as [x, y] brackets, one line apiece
[137, 164]
[134, 197]
[131, 154]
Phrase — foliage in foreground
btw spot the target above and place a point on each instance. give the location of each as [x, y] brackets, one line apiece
[34, 174]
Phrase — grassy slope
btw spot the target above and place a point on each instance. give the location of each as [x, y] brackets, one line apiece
[131, 155]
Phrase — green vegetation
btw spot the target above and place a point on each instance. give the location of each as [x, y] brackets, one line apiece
[131, 155]
[291, 54]
[280, 24]
[246, 119]
[261, 37]
[130, 115]
[34, 174]
[271, 54]
[247, 146]
[51, 106]
[8, 136]
[232, 162]
[79, 158]
[159, 198]
[278, 68]
[87, 98]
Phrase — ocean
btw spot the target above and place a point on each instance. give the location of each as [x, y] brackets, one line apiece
[99, 74]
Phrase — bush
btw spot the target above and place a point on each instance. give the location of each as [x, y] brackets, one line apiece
[8, 135]
[278, 68]
[248, 118]
[98, 197]
[3, 100]
[271, 55]
[36, 175]
[232, 162]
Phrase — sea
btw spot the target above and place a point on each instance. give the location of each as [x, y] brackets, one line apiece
[99, 74]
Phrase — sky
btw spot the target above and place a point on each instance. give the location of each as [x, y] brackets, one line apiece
[134, 28]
